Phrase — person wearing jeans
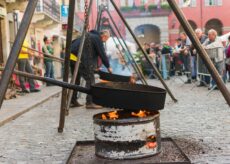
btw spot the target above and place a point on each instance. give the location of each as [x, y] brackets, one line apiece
[185, 51]
[49, 67]
[24, 66]
[215, 50]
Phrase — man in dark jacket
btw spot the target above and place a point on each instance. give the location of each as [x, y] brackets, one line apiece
[93, 48]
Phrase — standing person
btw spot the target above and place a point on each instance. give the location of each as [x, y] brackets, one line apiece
[202, 37]
[24, 66]
[49, 67]
[215, 44]
[185, 51]
[228, 58]
[177, 57]
[147, 48]
[166, 60]
[93, 48]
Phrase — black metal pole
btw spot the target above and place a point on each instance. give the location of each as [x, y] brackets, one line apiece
[51, 81]
[135, 65]
[143, 51]
[48, 56]
[12, 59]
[66, 64]
[99, 18]
[201, 51]
[83, 37]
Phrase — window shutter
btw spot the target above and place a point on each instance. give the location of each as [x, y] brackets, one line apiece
[219, 2]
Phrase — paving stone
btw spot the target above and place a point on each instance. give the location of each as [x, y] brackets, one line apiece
[198, 123]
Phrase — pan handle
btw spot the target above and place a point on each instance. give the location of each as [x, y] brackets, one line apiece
[52, 81]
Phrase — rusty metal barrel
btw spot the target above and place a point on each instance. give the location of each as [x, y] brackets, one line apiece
[127, 138]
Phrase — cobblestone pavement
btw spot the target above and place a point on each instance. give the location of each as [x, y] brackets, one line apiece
[200, 124]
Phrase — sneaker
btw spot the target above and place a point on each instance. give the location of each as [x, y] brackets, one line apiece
[188, 82]
[35, 90]
[93, 106]
[213, 88]
[75, 104]
[201, 85]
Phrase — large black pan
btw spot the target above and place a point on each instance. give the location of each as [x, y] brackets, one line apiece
[116, 95]
[113, 77]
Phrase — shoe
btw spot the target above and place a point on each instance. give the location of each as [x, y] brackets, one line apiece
[213, 88]
[201, 85]
[188, 82]
[75, 104]
[35, 90]
[25, 91]
[93, 106]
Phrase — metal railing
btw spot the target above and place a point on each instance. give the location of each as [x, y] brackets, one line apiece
[49, 7]
[213, 54]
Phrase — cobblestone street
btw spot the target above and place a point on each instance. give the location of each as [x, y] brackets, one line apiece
[200, 124]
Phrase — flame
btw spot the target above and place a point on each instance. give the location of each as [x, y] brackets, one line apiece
[103, 116]
[113, 115]
[141, 114]
[103, 81]
[151, 145]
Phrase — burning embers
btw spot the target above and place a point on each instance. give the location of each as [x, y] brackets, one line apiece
[114, 115]
[110, 115]
[127, 134]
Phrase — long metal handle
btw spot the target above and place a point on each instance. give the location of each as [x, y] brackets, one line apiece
[203, 54]
[51, 81]
[48, 56]
[143, 51]
[12, 59]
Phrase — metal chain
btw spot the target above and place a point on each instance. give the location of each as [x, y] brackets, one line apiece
[88, 41]
[86, 16]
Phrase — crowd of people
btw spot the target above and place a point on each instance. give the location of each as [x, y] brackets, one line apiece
[182, 58]
[25, 65]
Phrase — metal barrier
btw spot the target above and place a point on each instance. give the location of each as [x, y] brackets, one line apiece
[202, 70]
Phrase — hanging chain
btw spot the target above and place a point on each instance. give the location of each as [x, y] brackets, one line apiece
[87, 28]
[86, 16]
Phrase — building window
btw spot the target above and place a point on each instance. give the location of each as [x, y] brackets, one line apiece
[213, 2]
[187, 3]
[80, 5]
[127, 3]
[106, 3]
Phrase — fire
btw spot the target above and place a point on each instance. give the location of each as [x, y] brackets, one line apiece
[141, 114]
[114, 115]
[111, 116]
[103, 116]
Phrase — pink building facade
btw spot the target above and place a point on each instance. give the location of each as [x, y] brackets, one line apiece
[153, 21]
